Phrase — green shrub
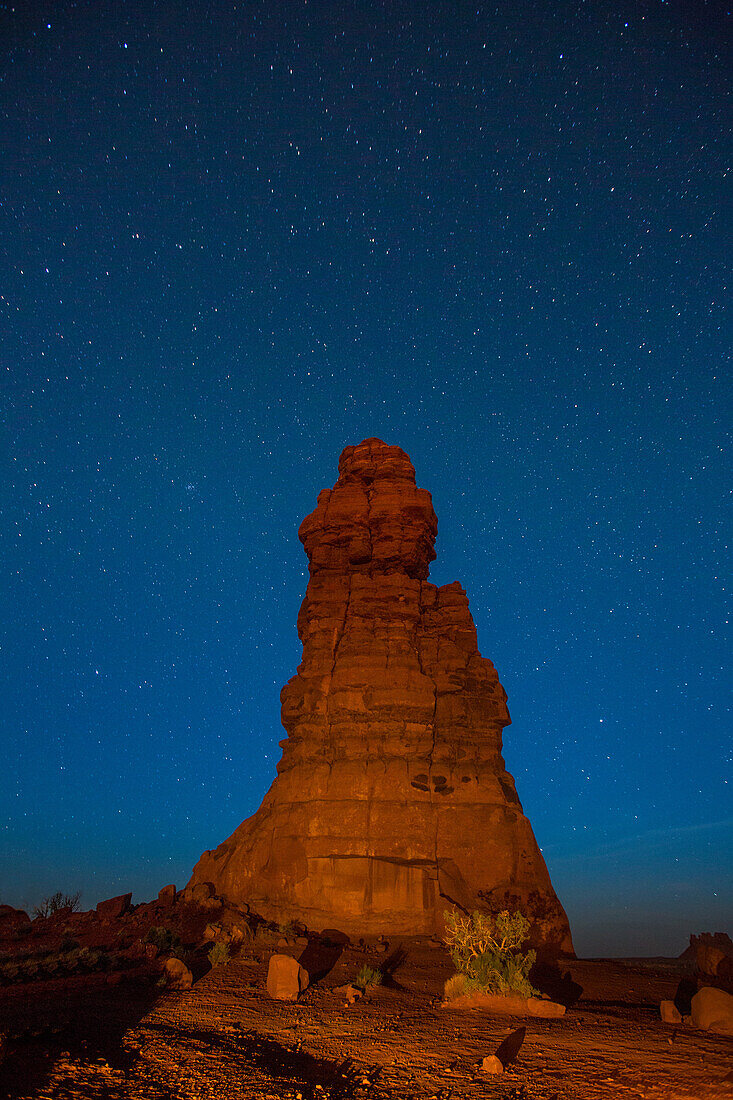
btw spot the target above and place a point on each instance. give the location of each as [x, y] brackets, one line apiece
[219, 954]
[367, 977]
[165, 939]
[485, 951]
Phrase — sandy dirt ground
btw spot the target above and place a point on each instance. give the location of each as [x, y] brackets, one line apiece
[227, 1038]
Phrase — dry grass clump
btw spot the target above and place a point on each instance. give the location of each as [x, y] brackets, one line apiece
[367, 977]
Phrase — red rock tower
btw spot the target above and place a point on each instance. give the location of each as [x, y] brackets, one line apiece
[392, 799]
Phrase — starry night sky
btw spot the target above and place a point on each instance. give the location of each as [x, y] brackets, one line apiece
[235, 238]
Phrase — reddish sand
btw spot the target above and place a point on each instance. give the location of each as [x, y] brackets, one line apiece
[226, 1038]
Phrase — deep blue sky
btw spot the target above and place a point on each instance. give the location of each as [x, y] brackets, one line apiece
[235, 238]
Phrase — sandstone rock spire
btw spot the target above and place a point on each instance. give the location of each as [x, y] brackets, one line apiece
[392, 799]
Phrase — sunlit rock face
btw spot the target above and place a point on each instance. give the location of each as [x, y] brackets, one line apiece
[391, 800]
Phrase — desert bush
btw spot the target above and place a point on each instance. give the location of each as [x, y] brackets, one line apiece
[219, 954]
[31, 968]
[367, 977]
[165, 939]
[51, 964]
[70, 960]
[485, 949]
[57, 901]
[88, 958]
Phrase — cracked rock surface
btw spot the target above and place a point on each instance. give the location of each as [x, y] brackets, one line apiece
[392, 799]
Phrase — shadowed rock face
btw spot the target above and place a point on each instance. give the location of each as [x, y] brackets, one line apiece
[392, 799]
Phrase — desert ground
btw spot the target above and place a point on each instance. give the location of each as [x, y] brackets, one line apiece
[117, 1033]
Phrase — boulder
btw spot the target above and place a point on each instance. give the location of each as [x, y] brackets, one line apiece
[167, 895]
[709, 958]
[712, 1010]
[61, 915]
[392, 800]
[670, 1013]
[492, 1064]
[286, 978]
[177, 975]
[234, 934]
[114, 908]
[11, 919]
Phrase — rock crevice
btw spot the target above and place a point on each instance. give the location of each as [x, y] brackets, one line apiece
[392, 794]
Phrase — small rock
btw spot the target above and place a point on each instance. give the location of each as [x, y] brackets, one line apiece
[167, 894]
[508, 1050]
[670, 1013]
[177, 974]
[492, 1064]
[113, 908]
[286, 978]
[350, 992]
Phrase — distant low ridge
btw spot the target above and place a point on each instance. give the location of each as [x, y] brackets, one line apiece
[392, 799]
